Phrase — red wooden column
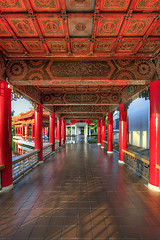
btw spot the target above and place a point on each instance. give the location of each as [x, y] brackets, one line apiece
[38, 131]
[59, 130]
[122, 131]
[99, 132]
[27, 131]
[63, 131]
[32, 131]
[43, 127]
[110, 133]
[103, 131]
[5, 136]
[154, 155]
[52, 131]
[23, 131]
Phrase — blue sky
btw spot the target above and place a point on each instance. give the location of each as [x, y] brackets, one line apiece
[21, 105]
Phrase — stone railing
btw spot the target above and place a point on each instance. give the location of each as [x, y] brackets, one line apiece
[137, 164]
[47, 150]
[24, 163]
[1, 168]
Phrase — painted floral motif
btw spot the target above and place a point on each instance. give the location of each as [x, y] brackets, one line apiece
[108, 26]
[10, 46]
[103, 46]
[57, 46]
[150, 46]
[44, 3]
[137, 26]
[148, 4]
[33, 46]
[23, 26]
[51, 27]
[115, 3]
[10, 4]
[127, 46]
[79, 46]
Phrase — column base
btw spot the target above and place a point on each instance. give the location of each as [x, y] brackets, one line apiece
[98, 143]
[121, 162]
[109, 151]
[102, 147]
[152, 187]
[41, 162]
[5, 189]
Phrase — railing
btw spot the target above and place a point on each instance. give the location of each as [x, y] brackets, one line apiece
[24, 163]
[1, 168]
[47, 150]
[158, 167]
[136, 163]
[105, 145]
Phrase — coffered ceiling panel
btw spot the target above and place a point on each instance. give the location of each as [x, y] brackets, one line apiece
[114, 5]
[150, 45]
[103, 45]
[12, 6]
[127, 44]
[80, 45]
[147, 5]
[45, 5]
[56, 45]
[33, 45]
[80, 26]
[80, 5]
[5, 30]
[11, 46]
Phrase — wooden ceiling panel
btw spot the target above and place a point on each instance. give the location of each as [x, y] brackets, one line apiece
[150, 45]
[56, 45]
[33, 45]
[80, 5]
[109, 25]
[114, 5]
[11, 46]
[137, 24]
[22, 26]
[5, 30]
[147, 5]
[127, 44]
[80, 46]
[45, 5]
[103, 45]
[12, 6]
[80, 26]
[51, 26]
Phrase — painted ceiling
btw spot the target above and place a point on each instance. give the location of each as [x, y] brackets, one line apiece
[80, 58]
[79, 28]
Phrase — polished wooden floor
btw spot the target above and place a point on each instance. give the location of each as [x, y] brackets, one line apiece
[80, 192]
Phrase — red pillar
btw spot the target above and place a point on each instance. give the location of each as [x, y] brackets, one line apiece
[5, 135]
[27, 131]
[103, 131]
[46, 131]
[23, 132]
[110, 133]
[52, 131]
[99, 132]
[32, 131]
[122, 131]
[154, 155]
[38, 131]
[59, 130]
[64, 131]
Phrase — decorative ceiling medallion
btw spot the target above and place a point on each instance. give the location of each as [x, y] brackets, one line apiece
[109, 26]
[114, 5]
[45, 5]
[80, 27]
[10, 45]
[56, 45]
[104, 45]
[151, 45]
[80, 5]
[127, 45]
[52, 27]
[33, 45]
[80, 45]
[16, 70]
[143, 5]
[144, 69]
[23, 27]
[138, 24]
[12, 5]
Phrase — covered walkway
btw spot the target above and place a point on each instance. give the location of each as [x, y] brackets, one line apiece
[80, 192]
